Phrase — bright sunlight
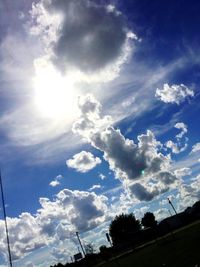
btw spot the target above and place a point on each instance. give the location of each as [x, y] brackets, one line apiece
[55, 95]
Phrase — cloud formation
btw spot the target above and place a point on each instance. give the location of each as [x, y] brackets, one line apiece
[183, 172]
[82, 35]
[95, 186]
[161, 183]
[83, 162]
[56, 181]
[55, 221]
[174, 93]
[183, 127]
[128, 160]
[189, 193]
[195, 148]
[178, 146]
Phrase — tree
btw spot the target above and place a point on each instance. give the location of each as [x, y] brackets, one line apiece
[123, 227]
[102, 248]
[89, 248]
[149, 220]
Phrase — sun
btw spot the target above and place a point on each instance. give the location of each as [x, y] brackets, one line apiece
[55, 95]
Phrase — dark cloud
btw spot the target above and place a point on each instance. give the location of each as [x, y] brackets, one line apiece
[129, 160]
[90, 36]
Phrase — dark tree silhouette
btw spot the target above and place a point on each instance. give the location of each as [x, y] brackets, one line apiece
[89, 248]
[149, 220]
[123, 227]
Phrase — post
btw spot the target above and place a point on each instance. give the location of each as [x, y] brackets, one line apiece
[5, 220]
[108, 239]
[172, 206]
[77, 234]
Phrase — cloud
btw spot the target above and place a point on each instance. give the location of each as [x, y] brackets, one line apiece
[174, 93]
[148, 190]
[183, 172]
[83, 210]
[183, 127]
[179, 146]
[102, 176]
[24, 234]
[139, 212]
[195, 148]
[56, 181]
[128, 160]
[161, 214]
[29, 264]
[189, 193]
[59, 254]
[96, 186]
[90, 120]
[82, 35]
[83, 162]
[55, 221]
[175, 147]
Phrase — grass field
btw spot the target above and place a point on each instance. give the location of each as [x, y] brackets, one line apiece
[182, 251]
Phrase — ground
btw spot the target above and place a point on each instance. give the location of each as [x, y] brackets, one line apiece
[182, 250]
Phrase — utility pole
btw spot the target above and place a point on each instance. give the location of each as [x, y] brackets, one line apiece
[5, 220]
[172, 206]
[77, 234]
[108, 239]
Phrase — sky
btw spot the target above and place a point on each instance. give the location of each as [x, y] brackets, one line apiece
[99, 115]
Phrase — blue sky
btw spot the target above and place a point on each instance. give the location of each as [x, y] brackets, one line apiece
[99, 115]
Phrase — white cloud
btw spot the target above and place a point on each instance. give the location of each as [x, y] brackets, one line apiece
[96, 186]
[183, 172]
[195, 148]
[55, 221]
[83, 162]
[83, 210]
[24, 234]
[174, 93]
[60, 254]
[56, 181]
[161, 214]
[176, 147]
[139, 212]
[183, 127]
[102, 176]
[90, 120]
[29, 264]
[189, 193]
[179, 146]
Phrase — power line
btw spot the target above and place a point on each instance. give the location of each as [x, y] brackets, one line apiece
[5, 220]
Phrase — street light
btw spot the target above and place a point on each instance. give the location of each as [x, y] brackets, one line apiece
[5, 220]
[77, 234]
[172, 206]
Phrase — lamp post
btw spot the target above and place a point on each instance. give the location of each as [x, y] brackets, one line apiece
[172, 206]
[77, 234]
[5, 220]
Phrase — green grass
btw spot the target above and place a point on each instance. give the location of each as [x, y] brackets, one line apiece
[182, 251]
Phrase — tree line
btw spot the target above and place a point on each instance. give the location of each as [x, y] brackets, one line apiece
[128, 232]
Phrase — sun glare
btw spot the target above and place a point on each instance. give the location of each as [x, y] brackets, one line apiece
[55, 95]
